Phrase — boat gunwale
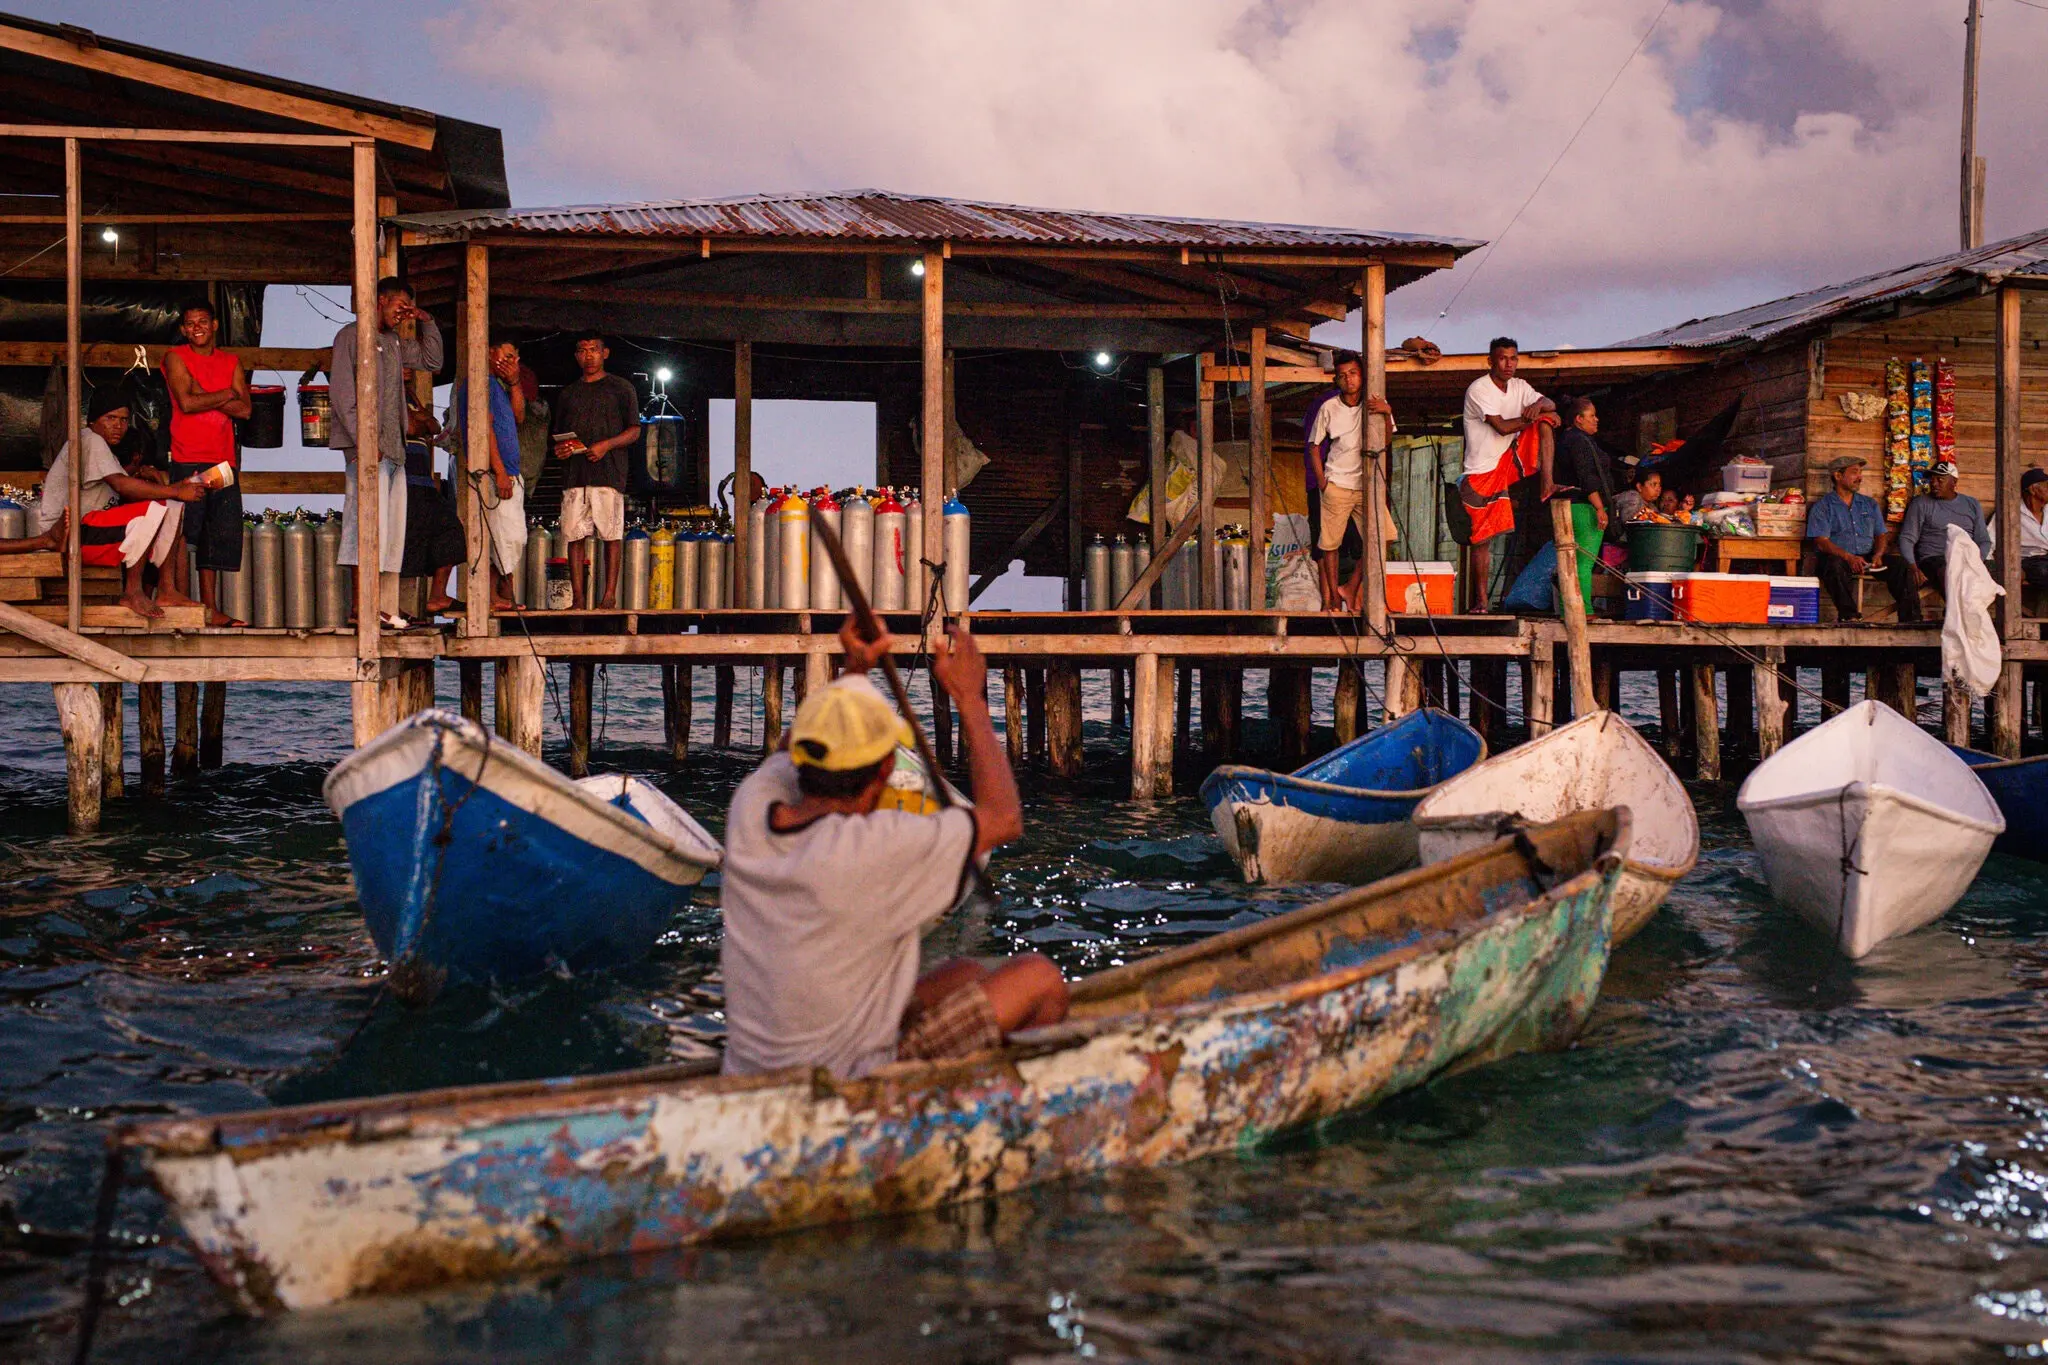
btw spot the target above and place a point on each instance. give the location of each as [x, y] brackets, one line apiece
[453, 1108]
[1311, 784]
[1993, 762]
[1877, 789]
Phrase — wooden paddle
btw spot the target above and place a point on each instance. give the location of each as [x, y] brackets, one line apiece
[871, 629]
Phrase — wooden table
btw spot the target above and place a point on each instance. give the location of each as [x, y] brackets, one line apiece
[1725, 550]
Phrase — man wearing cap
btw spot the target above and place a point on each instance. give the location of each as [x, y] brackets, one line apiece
[2033, 529]
[1923, 537]
[1846, 532]
[825, 894]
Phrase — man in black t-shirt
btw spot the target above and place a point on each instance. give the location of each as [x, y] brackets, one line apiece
[597, 420]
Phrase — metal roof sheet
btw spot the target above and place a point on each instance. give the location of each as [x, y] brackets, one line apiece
[1958, 272]
[881, 215]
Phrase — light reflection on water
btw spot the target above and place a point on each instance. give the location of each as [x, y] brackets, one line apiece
[1757, 1150]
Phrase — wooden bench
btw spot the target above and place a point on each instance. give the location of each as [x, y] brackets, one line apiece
[1724, 551]
[36, 583]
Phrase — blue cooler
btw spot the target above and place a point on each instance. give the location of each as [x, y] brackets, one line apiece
[1648, 597]
[1795, 601]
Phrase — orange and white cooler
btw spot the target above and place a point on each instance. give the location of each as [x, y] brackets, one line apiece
[1422, 587]
[1727, 599]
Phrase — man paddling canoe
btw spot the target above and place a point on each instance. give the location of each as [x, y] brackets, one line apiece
[825, 894]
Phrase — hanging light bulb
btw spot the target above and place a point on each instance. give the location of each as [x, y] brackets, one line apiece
[1103, 360]
[917, 269]
[109, 236]
[664, 374]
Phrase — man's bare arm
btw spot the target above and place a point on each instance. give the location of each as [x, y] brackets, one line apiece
[191, 399]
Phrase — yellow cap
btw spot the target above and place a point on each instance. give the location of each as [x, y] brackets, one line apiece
[845, 725]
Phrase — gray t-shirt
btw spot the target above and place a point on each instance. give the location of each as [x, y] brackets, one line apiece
[822, 925]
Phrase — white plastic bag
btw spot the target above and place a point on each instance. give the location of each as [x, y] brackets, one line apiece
[1970, 651]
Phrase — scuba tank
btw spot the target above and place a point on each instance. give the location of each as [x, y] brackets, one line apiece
[1237, 556]
[714, 560]
[540, 547]
[761, 552]
[661, 569]
[236, 588]
[1095, 574]
[266, 566]
[793, 553]
[299, 595]
[915, 589]
[958, 530]
[885, 588]
[635, 557]
[825, 511]
[689, 591]
[857, 534]
[1122, 569]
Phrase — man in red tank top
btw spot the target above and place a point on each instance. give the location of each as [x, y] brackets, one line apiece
[208, 387]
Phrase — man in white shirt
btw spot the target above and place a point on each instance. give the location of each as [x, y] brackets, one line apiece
[123, 519]
[2033, 529]
[1334, 472]
[1508, 428]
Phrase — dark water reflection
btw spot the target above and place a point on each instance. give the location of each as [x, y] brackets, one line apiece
[1757, 1151]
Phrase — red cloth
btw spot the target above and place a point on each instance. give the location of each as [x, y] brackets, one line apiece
[106, 532]
[1486, 495]
[203, 437]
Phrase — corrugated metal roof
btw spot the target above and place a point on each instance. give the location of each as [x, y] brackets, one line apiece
[1957, 273]
[883, 216]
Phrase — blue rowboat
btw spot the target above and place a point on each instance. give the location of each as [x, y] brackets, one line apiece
[1348, 816]
[2020, 787]
[474, 860]
[1207, 1049]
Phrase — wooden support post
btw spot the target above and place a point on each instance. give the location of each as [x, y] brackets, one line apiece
[1744, 714]
[113, 784]
[213, 719]
[1394, 704]
[817, 672]
[2007, 456]
[501, 698]
[1706, 712]
[682, 709]
[722, 676]
[1604, 682]
[1013, 714]
[74, 385]
[2004, 707]
[185, 750]
[1955, 714]
[771, 706]
[1540, 700]
[1770, 703]
[1183, 705]
[1897, 685]
[1372, 293]
[1205, 485]
[84, 728]
[1260, 476]
[471, 674]
[932, 428]
[742, 480]
[1144, 724]
[1294, 681]
[1668, 720]
[523, 680]
[1156, 467]
[368, 337]
[1170, 712]
[149, 736]
[1063, 716]
[1572, 607]
[477, 438]
[942, 722]
[1034, 713]
[581, 674]
[1350, 687]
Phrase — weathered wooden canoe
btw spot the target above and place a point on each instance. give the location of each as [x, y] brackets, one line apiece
[1201, 1050]
[1596, 762]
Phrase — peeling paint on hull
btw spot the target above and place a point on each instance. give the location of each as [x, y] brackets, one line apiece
[1208, 1049]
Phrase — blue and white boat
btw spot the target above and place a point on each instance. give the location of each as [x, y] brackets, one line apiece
[2020, 787]
[1348, 816]
[475, 860]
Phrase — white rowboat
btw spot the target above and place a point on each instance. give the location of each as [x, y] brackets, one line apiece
[1595, 763]
[1868, 826]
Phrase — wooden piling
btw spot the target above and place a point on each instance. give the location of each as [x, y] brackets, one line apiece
[149, 736]
[1183, 707]
[1541, 698]
[470, 673]
[1144, 725]
[112, 745]
[722, 677]
[1604, 682]
[680, 708]
[1669, 723]
[2004, 709]
[213, 719]
[185, 749]
[1394, 704]
[1034, 713]
[1169, 702]
[84, 728]
[1897, 685]
[1769, 700]
[1955, 713]
[1345, 703]
[1063, 717]
[1118, 715]
[771, 706]
[1745, 711]
[1013, 712]
[1706, 712]
[522, 681]
[1489, 700]
[1289, 702]
[1834, 690]
[581, 673]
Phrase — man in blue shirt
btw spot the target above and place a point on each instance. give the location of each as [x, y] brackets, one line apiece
[503, 495]
[1847, 532]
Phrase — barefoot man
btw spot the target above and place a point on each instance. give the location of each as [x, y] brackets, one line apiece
[825, 894]
[208, 387]
[126, 520]
[1508, 429]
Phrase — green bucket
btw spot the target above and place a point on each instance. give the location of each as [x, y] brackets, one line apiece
[1662, 547]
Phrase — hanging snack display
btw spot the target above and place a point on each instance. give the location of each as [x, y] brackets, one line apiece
[1944, 409]
[1922, 379]
[1898, 469]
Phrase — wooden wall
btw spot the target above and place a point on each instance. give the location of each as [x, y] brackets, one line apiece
[1773, 385]
[1964, 333]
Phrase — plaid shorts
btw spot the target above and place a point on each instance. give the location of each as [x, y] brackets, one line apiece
[960, 1025]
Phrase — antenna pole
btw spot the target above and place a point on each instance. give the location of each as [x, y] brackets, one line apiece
[1973, 165]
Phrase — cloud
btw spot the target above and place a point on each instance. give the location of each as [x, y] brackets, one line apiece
[1754, 147]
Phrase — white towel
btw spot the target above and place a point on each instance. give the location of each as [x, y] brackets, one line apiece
[1971, 653]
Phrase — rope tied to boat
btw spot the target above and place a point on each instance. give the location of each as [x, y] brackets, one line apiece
[1848, 867]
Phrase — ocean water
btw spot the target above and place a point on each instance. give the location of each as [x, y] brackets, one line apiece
[1755, 1151]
